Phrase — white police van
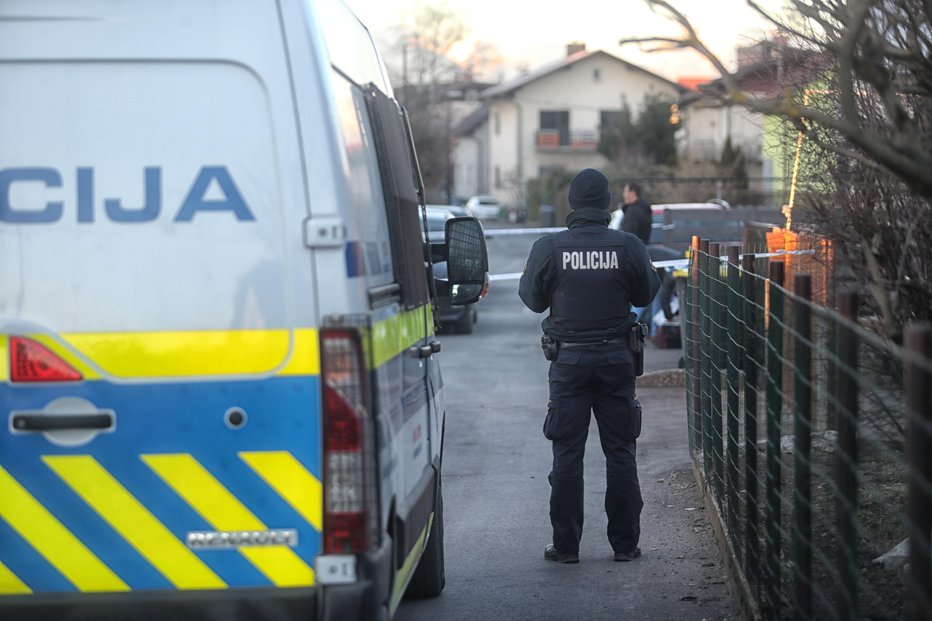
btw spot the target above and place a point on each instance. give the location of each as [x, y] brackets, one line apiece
[218, 372]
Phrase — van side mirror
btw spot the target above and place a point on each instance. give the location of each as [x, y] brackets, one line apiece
[467, 260]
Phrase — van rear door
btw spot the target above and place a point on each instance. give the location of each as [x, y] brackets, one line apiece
[159, 394]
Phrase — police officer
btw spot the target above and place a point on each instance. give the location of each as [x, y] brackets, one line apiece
[589, 276]
[638, 215]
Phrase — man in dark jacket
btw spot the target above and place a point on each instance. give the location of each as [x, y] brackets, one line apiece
[638, 216]
[589, 276]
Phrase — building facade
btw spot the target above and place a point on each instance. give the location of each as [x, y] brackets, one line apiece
[548, 120]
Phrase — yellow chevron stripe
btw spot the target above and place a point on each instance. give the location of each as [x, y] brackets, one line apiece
[134, 522]
[52, 540]
[287, 476]
[206, 495]
[10, 584]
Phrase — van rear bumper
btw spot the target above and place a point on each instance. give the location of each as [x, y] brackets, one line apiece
[263, 603]
[364, 599]
[367, 598]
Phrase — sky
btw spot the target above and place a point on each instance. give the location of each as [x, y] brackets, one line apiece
[534, 33]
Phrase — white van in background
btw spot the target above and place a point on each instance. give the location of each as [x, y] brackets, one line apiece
[218, 370]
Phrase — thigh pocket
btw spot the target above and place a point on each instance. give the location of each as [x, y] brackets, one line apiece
[551, 420]
[635, 419]
[631, 428]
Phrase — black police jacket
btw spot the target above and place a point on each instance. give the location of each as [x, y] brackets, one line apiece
[638, 219]
[589, 276]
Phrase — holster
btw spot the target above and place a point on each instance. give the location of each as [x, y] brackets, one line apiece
[636, 337]
[550, 347]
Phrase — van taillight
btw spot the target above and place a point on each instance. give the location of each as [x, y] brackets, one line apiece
[349, 478]
[31, 361]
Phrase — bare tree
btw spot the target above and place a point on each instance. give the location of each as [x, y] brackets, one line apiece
[856, 83]
[422, 48]
[879, 47]
[882, 230]
[434, 32]
[431, 80]
[484, 62]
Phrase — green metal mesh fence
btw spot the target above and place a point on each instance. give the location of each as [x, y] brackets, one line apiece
[814, 438]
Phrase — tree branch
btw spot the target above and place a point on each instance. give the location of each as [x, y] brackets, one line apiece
[839, 149]
[690, 40]
[877, 286]
[846, 61]
[672, 43]
[903, 152]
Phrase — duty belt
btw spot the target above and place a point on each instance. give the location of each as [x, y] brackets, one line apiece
[591, 343]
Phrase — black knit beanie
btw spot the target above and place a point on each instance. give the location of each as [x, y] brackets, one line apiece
[589, 188]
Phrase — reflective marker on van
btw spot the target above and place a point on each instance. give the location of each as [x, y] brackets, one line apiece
[31, 361]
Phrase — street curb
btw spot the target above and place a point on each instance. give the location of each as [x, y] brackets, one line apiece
[661, 379]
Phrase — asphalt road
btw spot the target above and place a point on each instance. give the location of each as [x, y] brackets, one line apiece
[496, 493]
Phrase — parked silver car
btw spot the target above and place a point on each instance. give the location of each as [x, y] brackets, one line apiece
[484, 207]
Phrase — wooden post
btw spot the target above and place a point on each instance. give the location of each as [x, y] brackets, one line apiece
[802, 431]
[917, 378]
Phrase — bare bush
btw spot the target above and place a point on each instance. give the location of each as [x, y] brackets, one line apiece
[858, 88]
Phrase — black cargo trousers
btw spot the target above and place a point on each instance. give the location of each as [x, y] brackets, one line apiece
[583, 380]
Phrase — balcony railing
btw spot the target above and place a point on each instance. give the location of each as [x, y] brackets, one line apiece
[580, 140]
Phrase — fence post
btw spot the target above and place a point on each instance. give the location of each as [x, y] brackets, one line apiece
[802, 431]
[774, 459]
[692, 344]
[846, 387]
[831, 376]
[705, 359]
[715, 369]
[734, 361]
[917, 379]
[750, 363]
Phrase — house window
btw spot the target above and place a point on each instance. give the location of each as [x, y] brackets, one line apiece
[498, 178]
[596, 75]
[557, 124]
[498, 123]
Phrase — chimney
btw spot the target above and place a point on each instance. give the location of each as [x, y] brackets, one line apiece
[575, 47]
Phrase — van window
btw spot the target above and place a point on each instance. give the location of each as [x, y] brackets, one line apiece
[350, 47]
[400, 190]
[368, 257]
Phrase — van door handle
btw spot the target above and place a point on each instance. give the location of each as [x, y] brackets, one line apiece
[55, 422]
